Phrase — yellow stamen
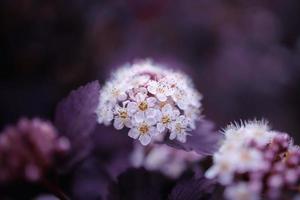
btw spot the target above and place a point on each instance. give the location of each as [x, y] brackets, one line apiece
[178, 127]
[166, 119]
[143, 106]
[160, 90]
[144, 129]
[115, 92]
[123, 114]
[162, 104]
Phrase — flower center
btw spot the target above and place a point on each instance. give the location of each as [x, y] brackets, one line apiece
[178, 127]
[144, 129]
[143, 106]
[179, 95]
[160, 90]
[245, 156]
[224, 166]
[162, 104]
[166, 119]
[123, 114]
[115, 92]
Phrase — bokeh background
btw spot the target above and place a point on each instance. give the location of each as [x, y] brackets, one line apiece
[244, 56]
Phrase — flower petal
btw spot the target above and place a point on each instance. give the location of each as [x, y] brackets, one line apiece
[128, 123]
[160, 127]
[172, 136]
[133, 133]
[153, 131]
[182, 105]
[152, 87]
[132, 107]
[151, 101]
[143, 91]
[151, 113]
[140, 97]
[122, 96]
[181, 137]
[176, 113]
[139, 117]
[161, 97]
[167, 109]
[151, 121]
[118, 123]
[145, 139]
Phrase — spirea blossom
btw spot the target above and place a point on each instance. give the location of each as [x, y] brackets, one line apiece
[29, 149]
[151, 101]
[170, 161]
[255, 162]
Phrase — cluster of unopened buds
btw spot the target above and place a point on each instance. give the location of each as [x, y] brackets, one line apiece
[29, 149]
[150, 100]
[256, 163]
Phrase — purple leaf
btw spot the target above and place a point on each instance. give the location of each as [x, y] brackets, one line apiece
[114, 146]
[135, 184]
[193, 189]
[75, 118]
[75, 115]
[204, 140]
[90, 180]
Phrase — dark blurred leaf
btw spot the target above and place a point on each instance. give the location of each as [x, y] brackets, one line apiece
[90, 181]
[113, 147]
[137, 184]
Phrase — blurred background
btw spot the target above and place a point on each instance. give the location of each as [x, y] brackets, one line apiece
[244, 56]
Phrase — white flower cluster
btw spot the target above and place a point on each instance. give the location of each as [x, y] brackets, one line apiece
[235, 155]
[150, 100]
[254, 161]
[169, 161]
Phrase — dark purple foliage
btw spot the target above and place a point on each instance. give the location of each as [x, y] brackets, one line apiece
[193, 189]
[75, 117]
[108, 159]
[204, 140]
[90, 181]
[113, 148]
[137, 184]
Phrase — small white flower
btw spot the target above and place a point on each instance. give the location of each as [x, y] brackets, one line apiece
[140, 80]
[178, 129]
[180, 97]
[122, 117]
[115, 92]
[143, 130]
[105, 114]
[159, 89]
[166, 117]
[192, 116]
[142, 106]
